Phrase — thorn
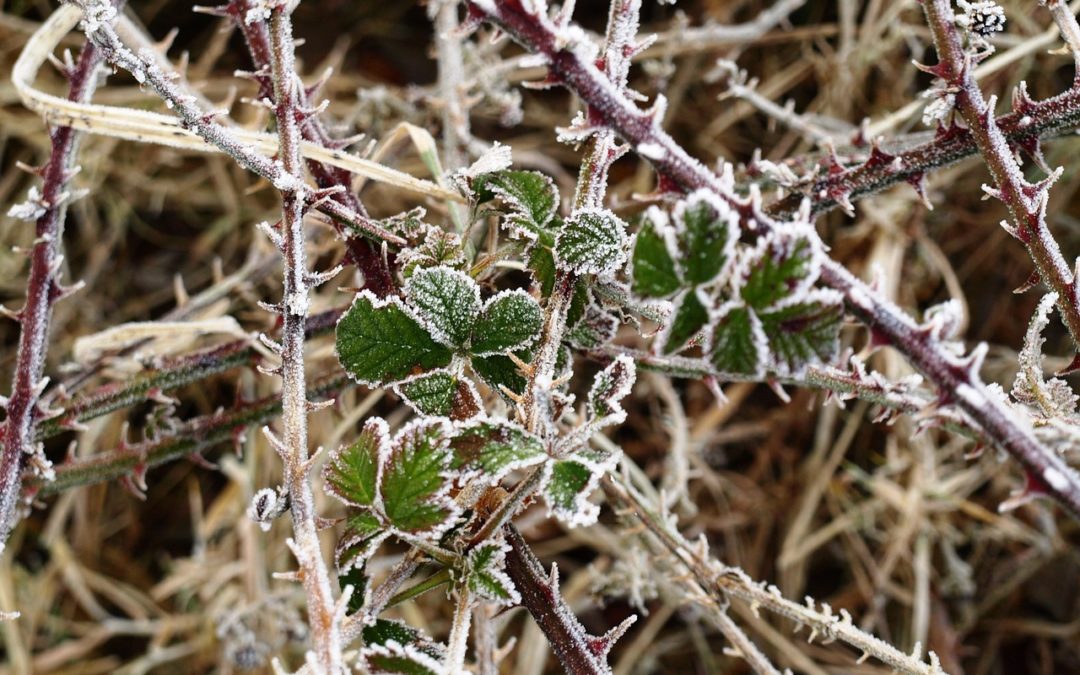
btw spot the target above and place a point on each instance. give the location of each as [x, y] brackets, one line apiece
[275, 442]
[272, 371]
[316, 279]
[713, 385]
[600, 646]
[271, 344]
[197, 459]
[295, 576]
[778, 389]
[272, 233]
[270, 307]
[1034, 488]
[1073, 366]
[315, 406]
[128, 484]
[1032, 281]
[14, 315]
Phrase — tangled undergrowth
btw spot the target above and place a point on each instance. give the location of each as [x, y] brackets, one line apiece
[495, 336]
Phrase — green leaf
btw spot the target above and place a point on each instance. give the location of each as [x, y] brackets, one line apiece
[448, 302]
[500, 370]
[363, 534]
[358, 579]
[689, 316]
[379, 341]
[783, 264]
[395, 647]
[352, 471]
[610, 387]
[494, 448]
[804, 332]
[706, 229]
[510, 321]
[486, 577]
[596, 328]
[591, 241]
[440, 393]
[414, 481]
[531, 196]
[654, 274]
[738, 342]
[541, 263]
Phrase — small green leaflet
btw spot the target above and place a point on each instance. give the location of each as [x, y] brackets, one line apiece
[781, 265]
[486, 577]
[531, 196]
[392, 486]
[610, 387]
[494, 448]
[442, 394]
[395, 647]
[804, 331]
[689, 316]
[510, 321]
[653, 274]
[738, 342]
[380, 341]
[447, 301]
[500, 371]
[568, 483]
[706, 229]
[591, 241]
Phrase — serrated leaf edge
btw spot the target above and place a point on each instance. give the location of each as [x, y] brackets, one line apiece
[490, 301]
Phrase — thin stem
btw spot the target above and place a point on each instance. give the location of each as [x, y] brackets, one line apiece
[458, 641]
[365, 254]
[322, 612]
[190, 438]
[43, 289]
[957, 379]
[1026, 202]
[169, 375]
[434, 581]
[1070, 31]
[722, 582]
[146, 70]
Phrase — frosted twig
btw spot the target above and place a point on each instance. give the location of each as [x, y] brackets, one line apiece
[323, 617]
[1070, 31]
[957, 379]
[725, 582]
[43, 289]
[1026, 201]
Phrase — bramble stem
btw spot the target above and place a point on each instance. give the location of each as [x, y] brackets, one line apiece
[192, 437]
[42, 291]
[957, 379]
[323, 617]
[1026, 201]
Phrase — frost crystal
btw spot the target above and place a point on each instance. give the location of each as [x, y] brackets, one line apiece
[983, 18]
[33, 208]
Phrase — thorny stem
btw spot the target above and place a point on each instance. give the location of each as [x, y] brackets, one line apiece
[42, 291]
[146, 70]
[1026, 202]
[323, 616]
[365, 254]
[458, 642]
[958, 380]
[722, 582]
[833, 185]
[578, 653]
[169, 375]
[188, 439]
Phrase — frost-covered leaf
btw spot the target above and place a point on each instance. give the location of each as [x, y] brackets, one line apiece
[494, 448]
[541, 263]
[653, 268]
[351, 473]
[1053, 397]
[706, 229]
[804, 331]
[363, 534]
[395, 647]
[783, 264]
[568, 484]
[531, 196]
[500, 371]
[595, 328]
[688, 318]
[437, 247]
[442, 394]
[448, 302]
[591, 241]
[610, 387]
[510, 321]
[738, 343]
[486, 575]
[380, 341]
[414, 478]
